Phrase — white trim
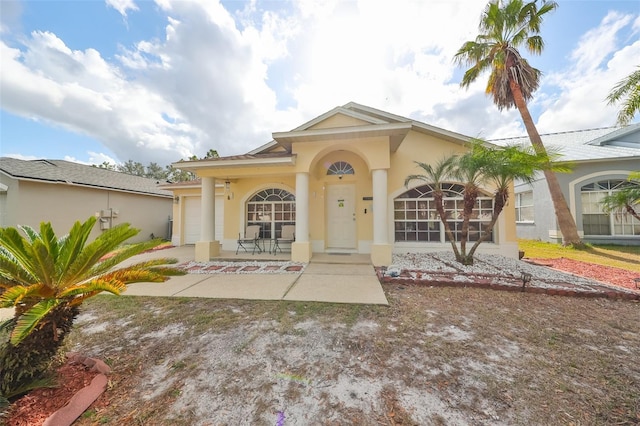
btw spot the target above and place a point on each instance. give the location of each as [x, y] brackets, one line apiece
[286, 138]
[573, 183]
[251, 192]
[84, 185]
[238, 162]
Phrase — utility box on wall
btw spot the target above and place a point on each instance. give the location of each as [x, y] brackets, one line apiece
[106, 218]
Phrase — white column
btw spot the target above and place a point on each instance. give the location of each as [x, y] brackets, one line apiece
[381, 249]
[208, 209]
[380, 234]
[301, 247]
[302, 207]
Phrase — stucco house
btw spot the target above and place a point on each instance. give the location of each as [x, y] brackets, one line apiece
[339, 179]
[62, 192]
[602, 160]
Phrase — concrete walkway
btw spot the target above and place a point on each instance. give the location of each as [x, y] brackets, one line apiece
[328, 278]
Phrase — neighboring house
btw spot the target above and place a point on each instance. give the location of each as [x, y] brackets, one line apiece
[62, 192]
[339, 179]
[602, 160]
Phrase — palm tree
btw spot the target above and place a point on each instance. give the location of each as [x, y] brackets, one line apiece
[482, 165]
[626, 200]
[512, 80]
[46, 279]
[500, 168]
[629, 89]
[435, 176]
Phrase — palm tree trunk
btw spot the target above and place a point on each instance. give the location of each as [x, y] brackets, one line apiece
[499, 201]
[566, 222]
[631, 211]
[437, 198]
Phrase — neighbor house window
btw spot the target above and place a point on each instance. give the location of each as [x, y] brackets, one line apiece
[340, 168]
[524, 207]
[595, 221]
[271, 208]
[416, 218]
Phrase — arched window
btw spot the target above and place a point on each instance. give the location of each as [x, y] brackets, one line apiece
[416, 218]
[595, 221]
[340, 168]
[271, 208]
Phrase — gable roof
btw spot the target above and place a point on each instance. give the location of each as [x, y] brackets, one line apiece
[375, 122]
[588, 145]
[60, 171]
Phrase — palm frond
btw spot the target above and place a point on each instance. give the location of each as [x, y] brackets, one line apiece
[81, 268]
[16, 245]
[30, 319]
[111, 285]
[72, 244]
[122, 254]
[17, 294]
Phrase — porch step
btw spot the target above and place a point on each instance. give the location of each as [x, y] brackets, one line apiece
[343, 258]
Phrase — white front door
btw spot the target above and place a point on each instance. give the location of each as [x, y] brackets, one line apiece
[341, 216]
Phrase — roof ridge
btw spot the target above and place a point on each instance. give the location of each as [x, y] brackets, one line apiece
[559, 133]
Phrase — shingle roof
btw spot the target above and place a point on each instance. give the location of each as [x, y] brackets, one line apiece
[79, 174]
[249, 156]
[579, 145]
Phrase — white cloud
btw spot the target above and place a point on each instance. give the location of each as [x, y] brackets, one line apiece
[122, 6]
[600, 62]
[20, 156]
[79, 91]
[223, 81]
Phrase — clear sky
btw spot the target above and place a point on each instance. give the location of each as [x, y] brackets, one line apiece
[117, 80]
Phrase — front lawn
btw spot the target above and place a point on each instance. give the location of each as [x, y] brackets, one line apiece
[624, 257]
[434, 356]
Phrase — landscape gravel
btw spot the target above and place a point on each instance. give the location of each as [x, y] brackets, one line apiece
[506, 270]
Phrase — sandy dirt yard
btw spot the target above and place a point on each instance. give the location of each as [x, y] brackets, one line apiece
[435, 356]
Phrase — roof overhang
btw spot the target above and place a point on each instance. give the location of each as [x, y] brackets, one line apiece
[396, 133]
[235, 162]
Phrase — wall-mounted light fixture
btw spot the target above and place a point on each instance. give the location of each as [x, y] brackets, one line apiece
[227, 190]
[176, 199]
[340, 176]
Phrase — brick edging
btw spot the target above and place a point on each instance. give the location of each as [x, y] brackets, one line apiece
[605, 293]
[79, 402]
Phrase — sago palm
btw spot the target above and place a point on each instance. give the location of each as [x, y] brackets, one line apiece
[46, 278]
[504, 28]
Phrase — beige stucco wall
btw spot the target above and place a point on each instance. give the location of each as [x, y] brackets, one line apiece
[365, 155]
[338, 120]
[30, 203]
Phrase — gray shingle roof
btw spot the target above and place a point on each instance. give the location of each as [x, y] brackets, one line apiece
[588, 145]
[79, 174]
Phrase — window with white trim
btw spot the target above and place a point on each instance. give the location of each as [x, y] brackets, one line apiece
[271, 208]
[524, 206]
[416, 218]
[595, 221]
[340, 168]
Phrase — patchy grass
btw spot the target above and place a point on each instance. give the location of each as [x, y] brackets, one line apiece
[624, 257]
[434, 356]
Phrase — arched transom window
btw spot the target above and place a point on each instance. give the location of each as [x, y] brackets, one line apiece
[416, 218]
[271, 208]
[340, 168]
[595, 221]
